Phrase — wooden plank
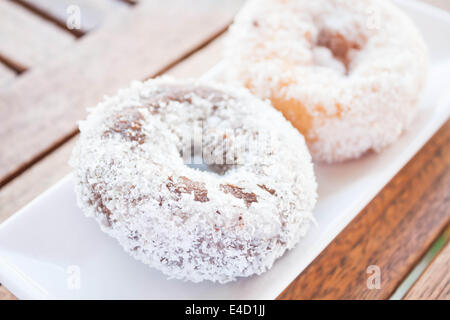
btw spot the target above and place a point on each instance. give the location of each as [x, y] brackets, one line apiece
[392, 232]
[54, 166]
[6, 75]
[414, 167]
[434, 283]
[92, 13]
[200, 62]
[145, 42]
[35, 180]
[28, 39]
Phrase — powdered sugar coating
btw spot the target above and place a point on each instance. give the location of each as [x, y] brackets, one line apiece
[348, 74]
[190, 224]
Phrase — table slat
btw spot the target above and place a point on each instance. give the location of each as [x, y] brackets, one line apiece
[396, 188]
[38, 114]
[441, 4]
[434, 283]
[93, 12]
[200, 62]
[393, 232]
[54, 166]
[28, 39]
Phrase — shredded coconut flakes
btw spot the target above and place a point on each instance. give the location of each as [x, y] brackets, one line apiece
[348, 74]
[191, 224]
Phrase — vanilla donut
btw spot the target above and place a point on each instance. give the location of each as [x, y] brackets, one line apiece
[347, 74]
[232, 221]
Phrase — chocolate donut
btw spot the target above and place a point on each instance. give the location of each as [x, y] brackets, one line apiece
[135, 173]
[347, 74]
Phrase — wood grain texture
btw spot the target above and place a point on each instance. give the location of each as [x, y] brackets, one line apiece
[35, 180]
[54, 166]
[393, 201]
[28, 39]
[93, 12]
[155, 35]
[200, 62]
[392, 232]
[434, 283]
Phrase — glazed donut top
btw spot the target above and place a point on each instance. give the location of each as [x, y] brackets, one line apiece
[131, 174]
[341, 64]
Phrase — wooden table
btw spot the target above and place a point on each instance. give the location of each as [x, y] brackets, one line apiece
[50, 74]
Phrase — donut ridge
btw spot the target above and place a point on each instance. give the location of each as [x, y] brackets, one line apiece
[347, 74]
[232, 221]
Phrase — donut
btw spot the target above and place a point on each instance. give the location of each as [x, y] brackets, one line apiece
[251, 201]
[347, 74]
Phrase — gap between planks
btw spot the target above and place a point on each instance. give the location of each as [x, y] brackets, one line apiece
[46, 115]
[393, 231]
[57, 12]
[63, 153]
[27, 39]
[48, 16]
[203, 62]
[193, 65]
[92, 13]
[54, 166]
[31, 34]
[420, 267]
[434, 282]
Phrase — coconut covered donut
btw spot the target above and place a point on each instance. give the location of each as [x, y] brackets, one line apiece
[233, 220]
[346, 73]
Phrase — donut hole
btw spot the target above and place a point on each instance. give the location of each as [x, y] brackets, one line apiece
[198, 133]
[207, 158]
[334, 50]
[197, 162]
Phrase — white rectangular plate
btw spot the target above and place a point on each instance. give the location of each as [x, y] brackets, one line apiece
[49, 245]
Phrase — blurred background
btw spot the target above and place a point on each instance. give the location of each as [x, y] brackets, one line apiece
[33, 32]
